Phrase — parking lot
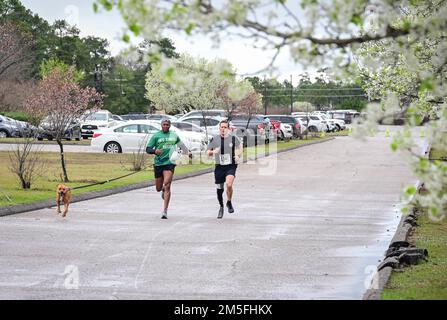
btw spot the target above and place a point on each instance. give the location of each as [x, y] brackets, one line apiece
[313, 234]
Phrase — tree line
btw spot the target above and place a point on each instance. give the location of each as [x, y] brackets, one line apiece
[28, 42]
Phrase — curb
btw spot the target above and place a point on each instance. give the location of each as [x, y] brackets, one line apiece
[21, 208]
[400, 238]
[383, 275]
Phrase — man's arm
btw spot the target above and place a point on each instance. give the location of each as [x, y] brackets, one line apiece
[212, 148]
[239, 147]
[150, 148]
[238, 150]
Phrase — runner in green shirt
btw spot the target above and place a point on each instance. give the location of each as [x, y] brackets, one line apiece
[164, 145]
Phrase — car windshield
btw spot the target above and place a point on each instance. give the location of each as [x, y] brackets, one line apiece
[97, 116]
[188, 127]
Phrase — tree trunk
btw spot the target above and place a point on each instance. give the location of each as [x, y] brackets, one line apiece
[64, 170]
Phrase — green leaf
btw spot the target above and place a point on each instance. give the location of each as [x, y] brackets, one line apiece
[411, 190]
[135, 28]
[189, 28]
[120, 4]
[418, 119]
[95, 7]
[178, 9]
[407, 25]
[126, 38]
[424, 164]
[426, 85]
[106, 4]
[434, 211]
[357, 20]
[226, 73]
[170, 74]
[394, 145]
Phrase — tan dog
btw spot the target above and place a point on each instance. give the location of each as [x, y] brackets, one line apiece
[63, 193]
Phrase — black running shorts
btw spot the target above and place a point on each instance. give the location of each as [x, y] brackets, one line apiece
[221, 172]
[158, 170]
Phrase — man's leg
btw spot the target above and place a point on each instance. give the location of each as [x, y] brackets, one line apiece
[219, 181]
[159, 184]
[220, 191]
[229, 180]
[167, 177]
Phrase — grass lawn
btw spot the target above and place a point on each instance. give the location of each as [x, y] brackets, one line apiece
[87, 168]
[429, 279]
[83, 169]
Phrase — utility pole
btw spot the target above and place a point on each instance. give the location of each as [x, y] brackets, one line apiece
[123, 93]
[291, 95]
[98, 78]
[265, 96]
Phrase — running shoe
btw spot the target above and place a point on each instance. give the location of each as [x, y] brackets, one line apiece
[230, 207]
[220, 215]
[164, 215]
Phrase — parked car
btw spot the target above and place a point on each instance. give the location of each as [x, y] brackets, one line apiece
[330, 123]
[159, 117]
[134, 116]
[346, 115]
[289, 120]
[9, 128]
[133, 136]
[210, 124]
[96, 121]
[276, 127]
[314, 123]
[46, 131]
[303, 126]
[208, 113]
[118, 118]
[187, 126]
[252, 128]
[15, 128]
[286, 131]
[340, 124]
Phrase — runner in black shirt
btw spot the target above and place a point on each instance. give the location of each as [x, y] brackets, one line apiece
[226, 149]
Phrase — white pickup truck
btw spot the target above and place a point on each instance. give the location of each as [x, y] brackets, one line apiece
[96, 121]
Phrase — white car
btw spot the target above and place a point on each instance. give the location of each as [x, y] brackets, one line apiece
[303, 126]
[339, 123]
[286, 131]
[331, 123]
[212, 123]
[208, 113]
[314, 123]
[133, 135]
[96, 121]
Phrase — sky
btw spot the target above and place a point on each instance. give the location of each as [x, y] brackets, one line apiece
[110, 25]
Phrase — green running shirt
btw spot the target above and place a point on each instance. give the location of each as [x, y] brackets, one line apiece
[166, 142]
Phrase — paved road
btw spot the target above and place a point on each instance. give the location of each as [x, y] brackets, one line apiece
[314, 229]
[49, 147]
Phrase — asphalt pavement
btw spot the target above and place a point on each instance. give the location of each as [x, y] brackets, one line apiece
[312, 223]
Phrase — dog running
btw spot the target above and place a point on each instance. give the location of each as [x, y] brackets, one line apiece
[63, 193]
